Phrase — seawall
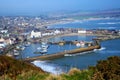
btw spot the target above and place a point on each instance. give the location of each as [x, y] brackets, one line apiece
[61, 54]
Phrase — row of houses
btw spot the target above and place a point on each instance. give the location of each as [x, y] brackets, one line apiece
[38, 34]
[5, 41]
[112, 32]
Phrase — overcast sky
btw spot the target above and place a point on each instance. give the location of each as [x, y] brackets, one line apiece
[38, 6]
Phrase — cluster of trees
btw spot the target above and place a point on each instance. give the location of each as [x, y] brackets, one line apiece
[107, 69]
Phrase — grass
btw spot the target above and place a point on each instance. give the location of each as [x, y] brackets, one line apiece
[11, 69]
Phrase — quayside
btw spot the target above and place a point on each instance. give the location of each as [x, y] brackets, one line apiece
[61, 54]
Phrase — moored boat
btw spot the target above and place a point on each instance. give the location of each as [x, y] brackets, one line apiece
[16, 53]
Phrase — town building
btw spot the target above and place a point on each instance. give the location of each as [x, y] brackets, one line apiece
[57, 32]
[35, 34]
[82, 31]
[2, 43]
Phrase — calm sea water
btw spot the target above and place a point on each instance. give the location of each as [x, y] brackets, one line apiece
[109, 48]
[56, 66]
[29, 51]
[113, 23]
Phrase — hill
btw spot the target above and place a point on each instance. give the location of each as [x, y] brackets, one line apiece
[11, 69]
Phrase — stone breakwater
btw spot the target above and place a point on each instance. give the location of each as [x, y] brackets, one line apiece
[61, 54]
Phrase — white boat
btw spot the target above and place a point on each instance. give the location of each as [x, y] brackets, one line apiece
[44, 45]
[41, 51]
[27, 44]
[43, 48]
[17, 47]
[78, 44]
[83, 44]
[44, 51]
[16, 53]
[22, 47]
[39, 48]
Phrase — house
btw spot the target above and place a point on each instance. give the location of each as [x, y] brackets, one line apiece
[82, 31]
[118, 32]
[89, 32]
[4, 31]
[2, 43]
[47, 34]
[35, 34]
[8, 41]
[5, 41]
[57, 32]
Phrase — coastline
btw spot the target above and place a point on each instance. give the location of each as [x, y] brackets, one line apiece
[67, 34]
[72, 20]
[76, 34]
[101, 37]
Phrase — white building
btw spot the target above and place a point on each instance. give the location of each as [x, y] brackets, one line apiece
[4, 31]
[9, 41]
[35, 34]
[119, 31]
[57, 32]
[47, 34]
[2, 43]
[82, 31]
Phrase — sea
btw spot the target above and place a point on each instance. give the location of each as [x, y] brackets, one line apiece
[100, 23]
[64, 64]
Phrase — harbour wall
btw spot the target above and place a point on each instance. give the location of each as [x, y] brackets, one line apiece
[61, 54]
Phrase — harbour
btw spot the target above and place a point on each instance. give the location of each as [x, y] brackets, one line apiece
[62, 54]
[60, 46]
[59, 40]
[81, 61]
[43, 51]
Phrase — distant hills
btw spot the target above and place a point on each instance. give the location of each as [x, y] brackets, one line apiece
[70, 13]
[111, 12]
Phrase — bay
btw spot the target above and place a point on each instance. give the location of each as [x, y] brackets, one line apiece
[57, 66]
[112, 23]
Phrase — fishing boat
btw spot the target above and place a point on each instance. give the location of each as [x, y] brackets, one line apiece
[44, 51]
[41, 51]
[20, 47]
[44, 45]
[27, 44]
[16, 53]
[43, 48]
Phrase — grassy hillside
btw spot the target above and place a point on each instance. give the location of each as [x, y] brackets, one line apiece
[11, 69]
[107, 69]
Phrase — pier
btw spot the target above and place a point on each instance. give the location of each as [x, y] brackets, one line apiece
[68, 42]
[62, 54]
[107, 37]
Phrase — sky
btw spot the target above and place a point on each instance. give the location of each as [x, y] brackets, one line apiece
[34, 7]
